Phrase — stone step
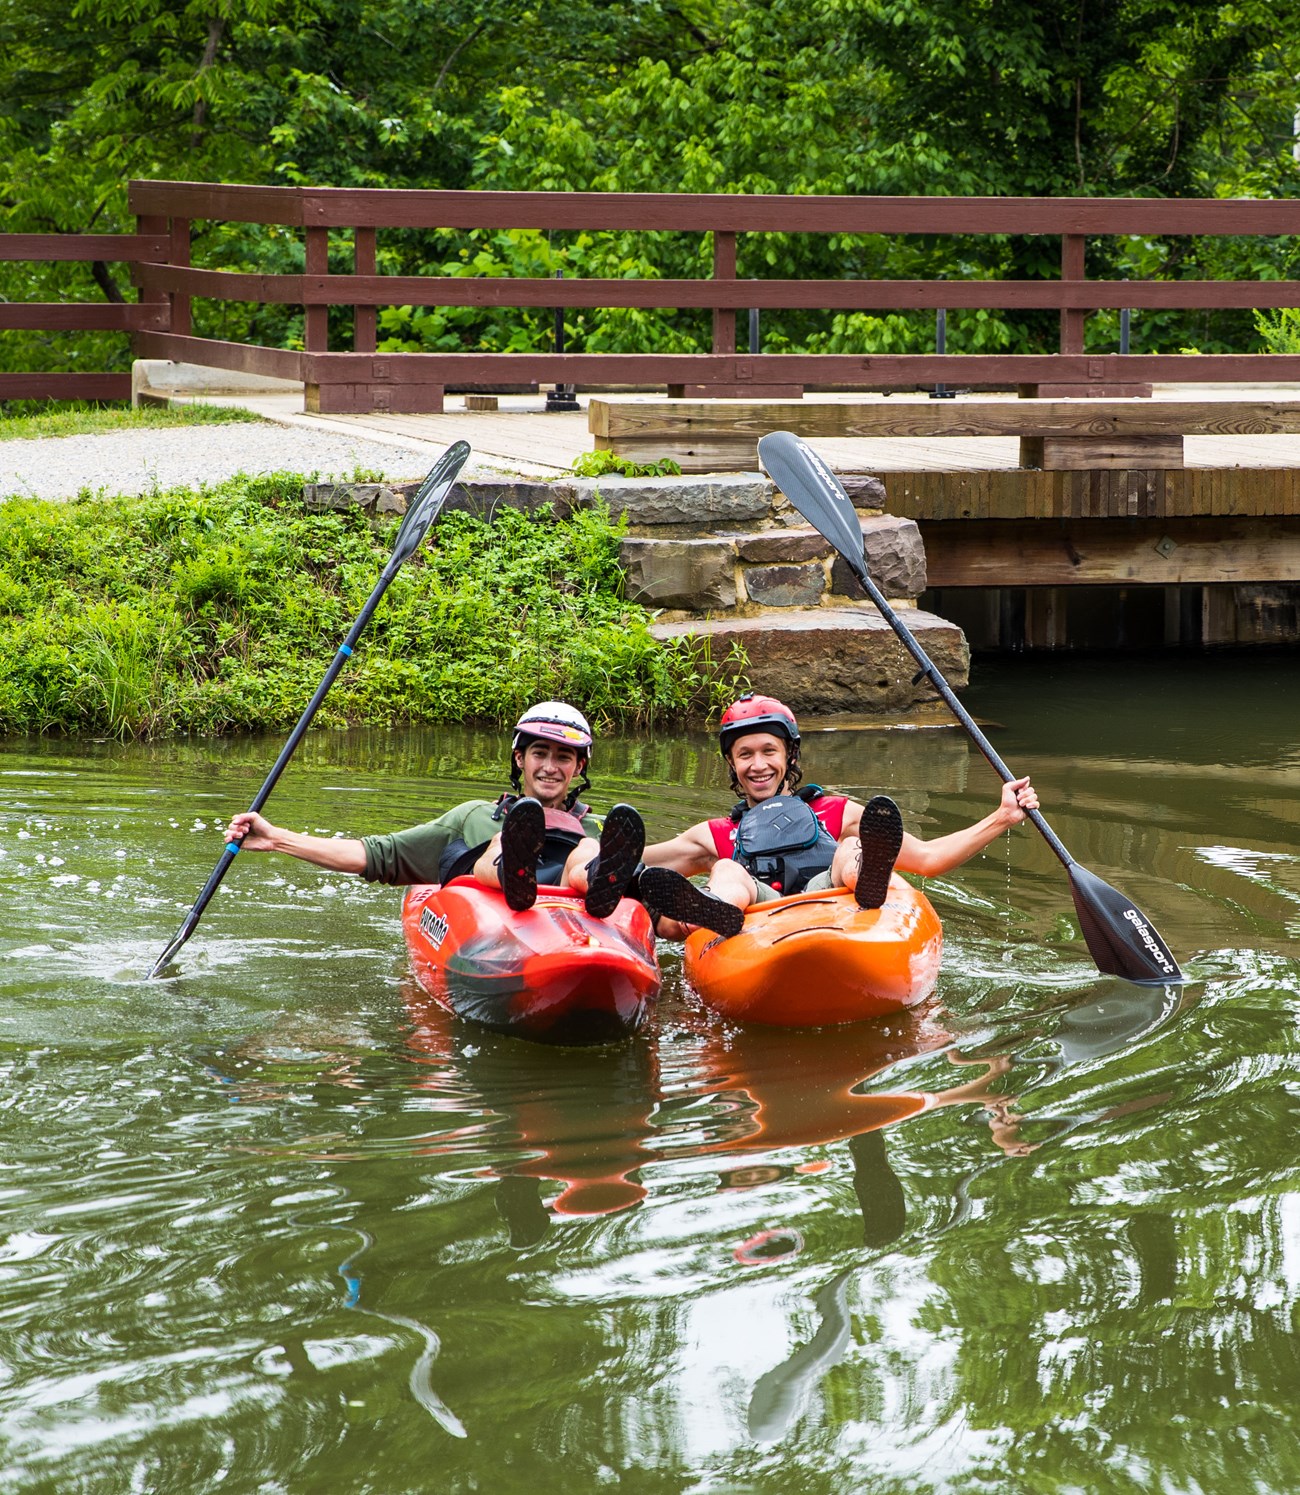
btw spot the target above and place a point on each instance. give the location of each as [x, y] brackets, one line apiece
[822, 659]
[660, 506]
[769, 568]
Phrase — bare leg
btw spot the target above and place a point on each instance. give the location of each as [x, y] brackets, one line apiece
[730, 882]
[846, 862]
[575, 868]
[488, 867]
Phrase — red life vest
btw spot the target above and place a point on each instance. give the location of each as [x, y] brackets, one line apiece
[828, 808]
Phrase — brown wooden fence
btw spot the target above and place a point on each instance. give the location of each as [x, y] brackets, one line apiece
[362, 378]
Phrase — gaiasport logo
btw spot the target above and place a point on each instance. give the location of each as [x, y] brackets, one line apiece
[1149, 940]
[829, 480]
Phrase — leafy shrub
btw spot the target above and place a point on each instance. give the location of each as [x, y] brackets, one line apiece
[220, 610]
[601, 462]
[1279, 330]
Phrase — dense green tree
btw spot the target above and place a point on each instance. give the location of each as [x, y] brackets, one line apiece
[1072, 97]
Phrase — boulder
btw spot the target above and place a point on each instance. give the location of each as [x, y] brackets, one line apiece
[697, 575]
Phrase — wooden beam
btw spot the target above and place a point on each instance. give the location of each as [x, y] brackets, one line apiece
[368, 289]
[1169, 552]
[689, 212]
[276, 363]
[1066, 453]
[642, 419]
[65, 386]
[56, 316]
[111, 247]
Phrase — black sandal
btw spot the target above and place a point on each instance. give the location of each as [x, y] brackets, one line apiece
[675, 897]
[881, 835]
[523, 835]
[622, 840]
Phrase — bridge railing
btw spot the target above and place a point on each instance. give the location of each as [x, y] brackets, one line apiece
[363, 378]
[72, 316]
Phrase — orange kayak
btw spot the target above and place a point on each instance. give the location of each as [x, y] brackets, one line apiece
[817, 958]
[552, 973]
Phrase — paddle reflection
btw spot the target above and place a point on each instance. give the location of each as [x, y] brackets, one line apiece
[1100, 1025]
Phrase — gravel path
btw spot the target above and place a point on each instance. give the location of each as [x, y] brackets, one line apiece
[136, 461]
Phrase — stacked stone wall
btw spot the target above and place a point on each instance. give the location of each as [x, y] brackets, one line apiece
[725, 559]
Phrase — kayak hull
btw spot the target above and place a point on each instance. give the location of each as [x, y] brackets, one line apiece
[816, 959]
[552, 974]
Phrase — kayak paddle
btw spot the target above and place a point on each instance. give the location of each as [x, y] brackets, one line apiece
[420, 514]
[1122, 940]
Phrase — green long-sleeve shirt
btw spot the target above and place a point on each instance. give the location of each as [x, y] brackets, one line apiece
[413, 855]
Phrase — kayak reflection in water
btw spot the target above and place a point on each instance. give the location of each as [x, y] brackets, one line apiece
[780, 839]
[540, 832]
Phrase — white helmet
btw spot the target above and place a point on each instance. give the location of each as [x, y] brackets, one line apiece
[556, 722]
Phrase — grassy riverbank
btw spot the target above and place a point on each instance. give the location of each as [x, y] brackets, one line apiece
[31, 419]
[219, 610]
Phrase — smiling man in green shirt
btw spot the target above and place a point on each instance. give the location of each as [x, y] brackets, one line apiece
[541, 832]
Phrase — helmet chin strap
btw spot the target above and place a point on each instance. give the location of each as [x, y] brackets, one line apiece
[579, 789]
[575, 792]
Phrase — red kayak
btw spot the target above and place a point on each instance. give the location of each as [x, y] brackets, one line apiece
[553, 973]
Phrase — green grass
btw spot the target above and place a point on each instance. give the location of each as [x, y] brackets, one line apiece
[28, 420]
[220, 609]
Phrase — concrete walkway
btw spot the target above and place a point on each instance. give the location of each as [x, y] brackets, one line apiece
[522, 437]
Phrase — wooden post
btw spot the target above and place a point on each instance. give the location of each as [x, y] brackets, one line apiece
[743, 384]
[1072, 268]
[365, 318]
[316, 331]
[150, 223]
[724, 268]
[179, 254]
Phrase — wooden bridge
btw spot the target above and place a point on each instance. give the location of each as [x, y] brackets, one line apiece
[1025, 530]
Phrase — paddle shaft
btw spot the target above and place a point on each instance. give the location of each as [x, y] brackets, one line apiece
[931, 671]
[1118, 934]
[420, 515]
[286, 752]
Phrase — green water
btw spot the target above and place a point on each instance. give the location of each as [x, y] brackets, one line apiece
[274, 1225]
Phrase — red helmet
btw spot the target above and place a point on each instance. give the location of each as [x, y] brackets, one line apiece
[753, 713]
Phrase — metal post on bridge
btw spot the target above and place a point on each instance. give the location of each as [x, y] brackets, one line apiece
[562, 396]
[941, 391]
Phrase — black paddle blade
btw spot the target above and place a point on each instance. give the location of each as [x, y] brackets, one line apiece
[429, 498]
[171, 952]
[1120, 937]
[814, 490]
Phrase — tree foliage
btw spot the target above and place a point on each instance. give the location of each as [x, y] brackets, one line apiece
[1017, 97]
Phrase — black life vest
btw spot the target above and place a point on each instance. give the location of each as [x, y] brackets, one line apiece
[564, 830]
[783, 843]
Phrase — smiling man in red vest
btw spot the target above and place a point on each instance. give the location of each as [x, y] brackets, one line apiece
[780, 839]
